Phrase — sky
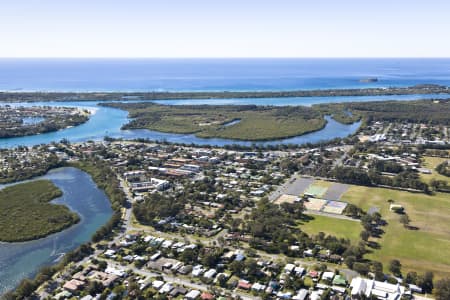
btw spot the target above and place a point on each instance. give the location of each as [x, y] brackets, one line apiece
[224, 28]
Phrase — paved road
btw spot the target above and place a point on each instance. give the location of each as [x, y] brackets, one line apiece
[188, 283]
[321, 213]
[130, 199]
[386, 130]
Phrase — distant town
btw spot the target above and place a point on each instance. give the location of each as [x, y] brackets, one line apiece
[22, 121]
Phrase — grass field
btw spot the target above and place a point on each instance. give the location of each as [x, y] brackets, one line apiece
[431, 163]
[208, 121]
[318, 188]
[420, 250]
[333, 226]
[26, 214]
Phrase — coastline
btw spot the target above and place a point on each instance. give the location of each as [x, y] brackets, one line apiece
[40, 96]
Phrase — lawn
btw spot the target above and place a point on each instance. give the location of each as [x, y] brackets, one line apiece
[420, 250]
[26, 214]
[332, 226]
[431, 163]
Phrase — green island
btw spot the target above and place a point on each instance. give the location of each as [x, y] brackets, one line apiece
[241, 122]
[27, 214]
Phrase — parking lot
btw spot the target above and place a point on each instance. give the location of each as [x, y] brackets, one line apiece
[296, 186]
[335, 191]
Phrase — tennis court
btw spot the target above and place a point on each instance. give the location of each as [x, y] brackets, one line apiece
[334, 207]
[314, 204]
[286, 199]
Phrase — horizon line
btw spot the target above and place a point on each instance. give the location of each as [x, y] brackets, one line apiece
[224, 57]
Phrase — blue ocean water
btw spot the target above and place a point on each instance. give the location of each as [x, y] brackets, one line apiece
[216, 74]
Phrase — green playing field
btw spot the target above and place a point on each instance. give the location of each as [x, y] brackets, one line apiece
[316, 190]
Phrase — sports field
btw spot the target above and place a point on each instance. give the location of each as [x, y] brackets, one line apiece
[314, 204]
[318, 188]
[286, 199]
[332, 226]
[334, 207]
[431, 163]
[421, 250]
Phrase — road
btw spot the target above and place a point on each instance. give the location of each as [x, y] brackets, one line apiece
[321, 213]
[130, 200]
[130, 228]
[181, 281]
[177, 280]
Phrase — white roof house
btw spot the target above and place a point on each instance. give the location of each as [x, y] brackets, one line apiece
[166, 288]
[380, 289]
[210, 273]
[157, 284]
[110, 252]
[114, 271]
[258, 287]
[299, 271]
[328, 275]
[197, 270]
[192, 295]
[288, 268]
[301, 295]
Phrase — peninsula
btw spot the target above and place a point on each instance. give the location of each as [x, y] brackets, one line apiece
[22, 121]
[259, 123]
[422, 89]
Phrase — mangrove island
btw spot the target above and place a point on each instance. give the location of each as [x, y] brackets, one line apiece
[27, 214]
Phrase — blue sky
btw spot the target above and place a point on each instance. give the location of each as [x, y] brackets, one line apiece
[224, 28]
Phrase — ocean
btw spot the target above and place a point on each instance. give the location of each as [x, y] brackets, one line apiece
[137, 75]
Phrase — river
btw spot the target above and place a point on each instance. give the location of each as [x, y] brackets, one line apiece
[80, 194]
[306, 101]
[107, 121]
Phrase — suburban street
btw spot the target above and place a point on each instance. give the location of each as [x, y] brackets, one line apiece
[176, 280]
